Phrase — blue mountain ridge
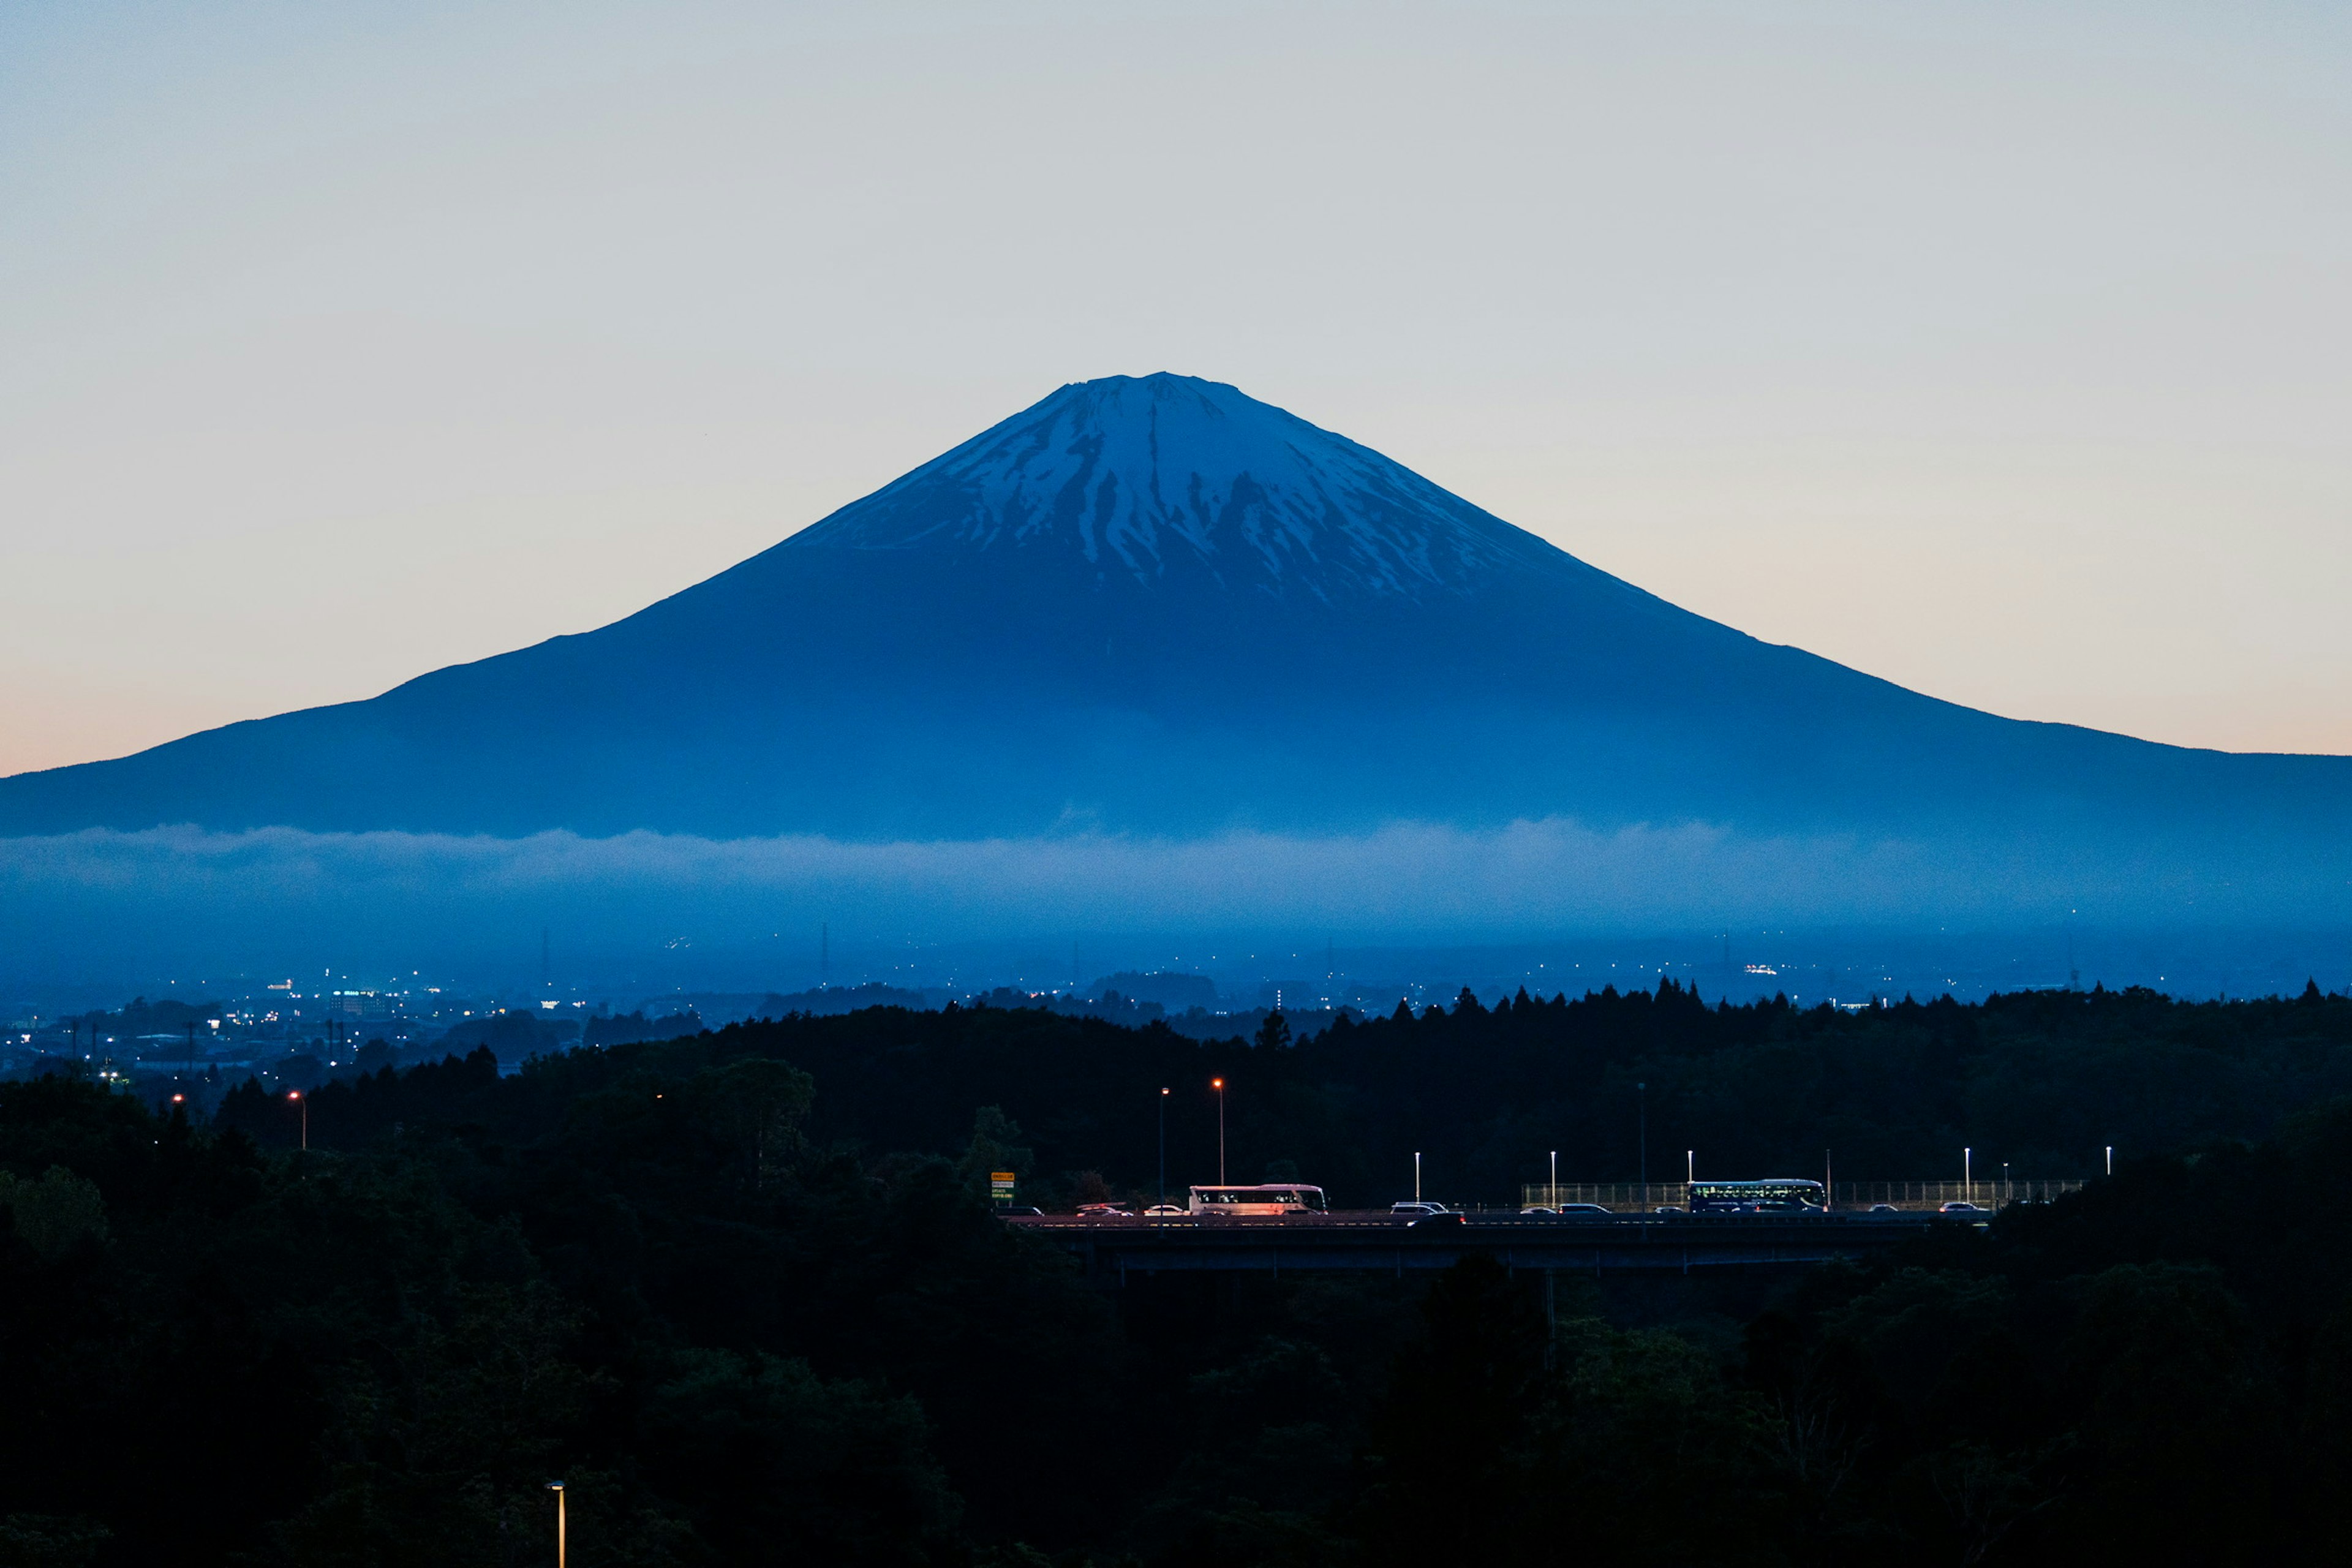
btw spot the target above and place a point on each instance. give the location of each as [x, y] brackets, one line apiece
[1155, 606]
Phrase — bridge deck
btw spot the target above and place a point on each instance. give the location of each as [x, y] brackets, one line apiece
[1587, 1244]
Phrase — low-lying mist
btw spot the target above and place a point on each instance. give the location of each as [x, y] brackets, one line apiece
[230, 901]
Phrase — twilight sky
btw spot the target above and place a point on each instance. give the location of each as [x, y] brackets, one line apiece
[2003, 351]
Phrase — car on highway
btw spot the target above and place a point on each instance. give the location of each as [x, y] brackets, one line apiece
[1103, 1211]
[1167, 1211]
[1413, 1208]
[1537, 1208]
[1884, 1208]
[1956, 1206]
[1583, 1208]
[1442, 1219]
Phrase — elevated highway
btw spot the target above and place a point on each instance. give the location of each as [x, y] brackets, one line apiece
[1373, 1239]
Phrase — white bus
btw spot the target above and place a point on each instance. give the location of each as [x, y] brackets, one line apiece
[1274, 1198]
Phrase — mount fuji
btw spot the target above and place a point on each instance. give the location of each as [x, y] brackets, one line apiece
[1156, 606]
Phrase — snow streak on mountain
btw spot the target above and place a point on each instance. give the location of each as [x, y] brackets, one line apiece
[1166, 477]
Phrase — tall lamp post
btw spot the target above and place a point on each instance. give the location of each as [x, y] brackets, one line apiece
[1163, 1148]
[1219, 1085]
[1555, 1178]
[557, 1487]
[1642, 1141]
[1416, 1175]
[1968, 1174]
[303, 1100]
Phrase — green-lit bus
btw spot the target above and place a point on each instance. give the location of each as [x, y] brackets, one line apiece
[1779, 1195]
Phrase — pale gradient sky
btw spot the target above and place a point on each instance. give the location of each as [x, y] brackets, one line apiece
[2003, 350]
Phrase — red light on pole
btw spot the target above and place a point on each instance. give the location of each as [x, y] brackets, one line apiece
[1219, 1085]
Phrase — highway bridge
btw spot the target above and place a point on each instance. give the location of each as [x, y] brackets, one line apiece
[1112, 1248]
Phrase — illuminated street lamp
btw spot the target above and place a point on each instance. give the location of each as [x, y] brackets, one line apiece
[1163, 1150]
[1219, 1085]
[557, 1487]
[296, 1095]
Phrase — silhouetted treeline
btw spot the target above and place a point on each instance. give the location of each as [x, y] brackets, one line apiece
[742, 1292]
[2042, 1080]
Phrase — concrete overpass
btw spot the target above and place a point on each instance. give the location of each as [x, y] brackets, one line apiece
[1583, 1244]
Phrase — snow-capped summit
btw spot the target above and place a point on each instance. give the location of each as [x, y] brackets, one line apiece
[1161, 477]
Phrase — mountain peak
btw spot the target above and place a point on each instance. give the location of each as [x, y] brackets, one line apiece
[1157, 479]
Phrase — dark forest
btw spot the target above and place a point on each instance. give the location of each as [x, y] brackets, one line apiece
[743, 1294]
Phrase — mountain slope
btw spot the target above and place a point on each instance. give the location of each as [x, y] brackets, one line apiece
[1158, 605]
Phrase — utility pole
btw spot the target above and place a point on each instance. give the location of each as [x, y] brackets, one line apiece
[1163, 1152]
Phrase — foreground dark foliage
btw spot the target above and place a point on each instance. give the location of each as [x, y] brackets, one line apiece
[742, 1294]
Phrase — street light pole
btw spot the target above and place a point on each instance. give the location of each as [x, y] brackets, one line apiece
[1555, 1178]
[1219, 1085]
[1416, 1175]
[1642, 1141]
[1968, 1174]
[557, 1487]
[299, 1097]
[1163, 1149]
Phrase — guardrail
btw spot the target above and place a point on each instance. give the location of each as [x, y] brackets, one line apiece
[1634, 1196]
